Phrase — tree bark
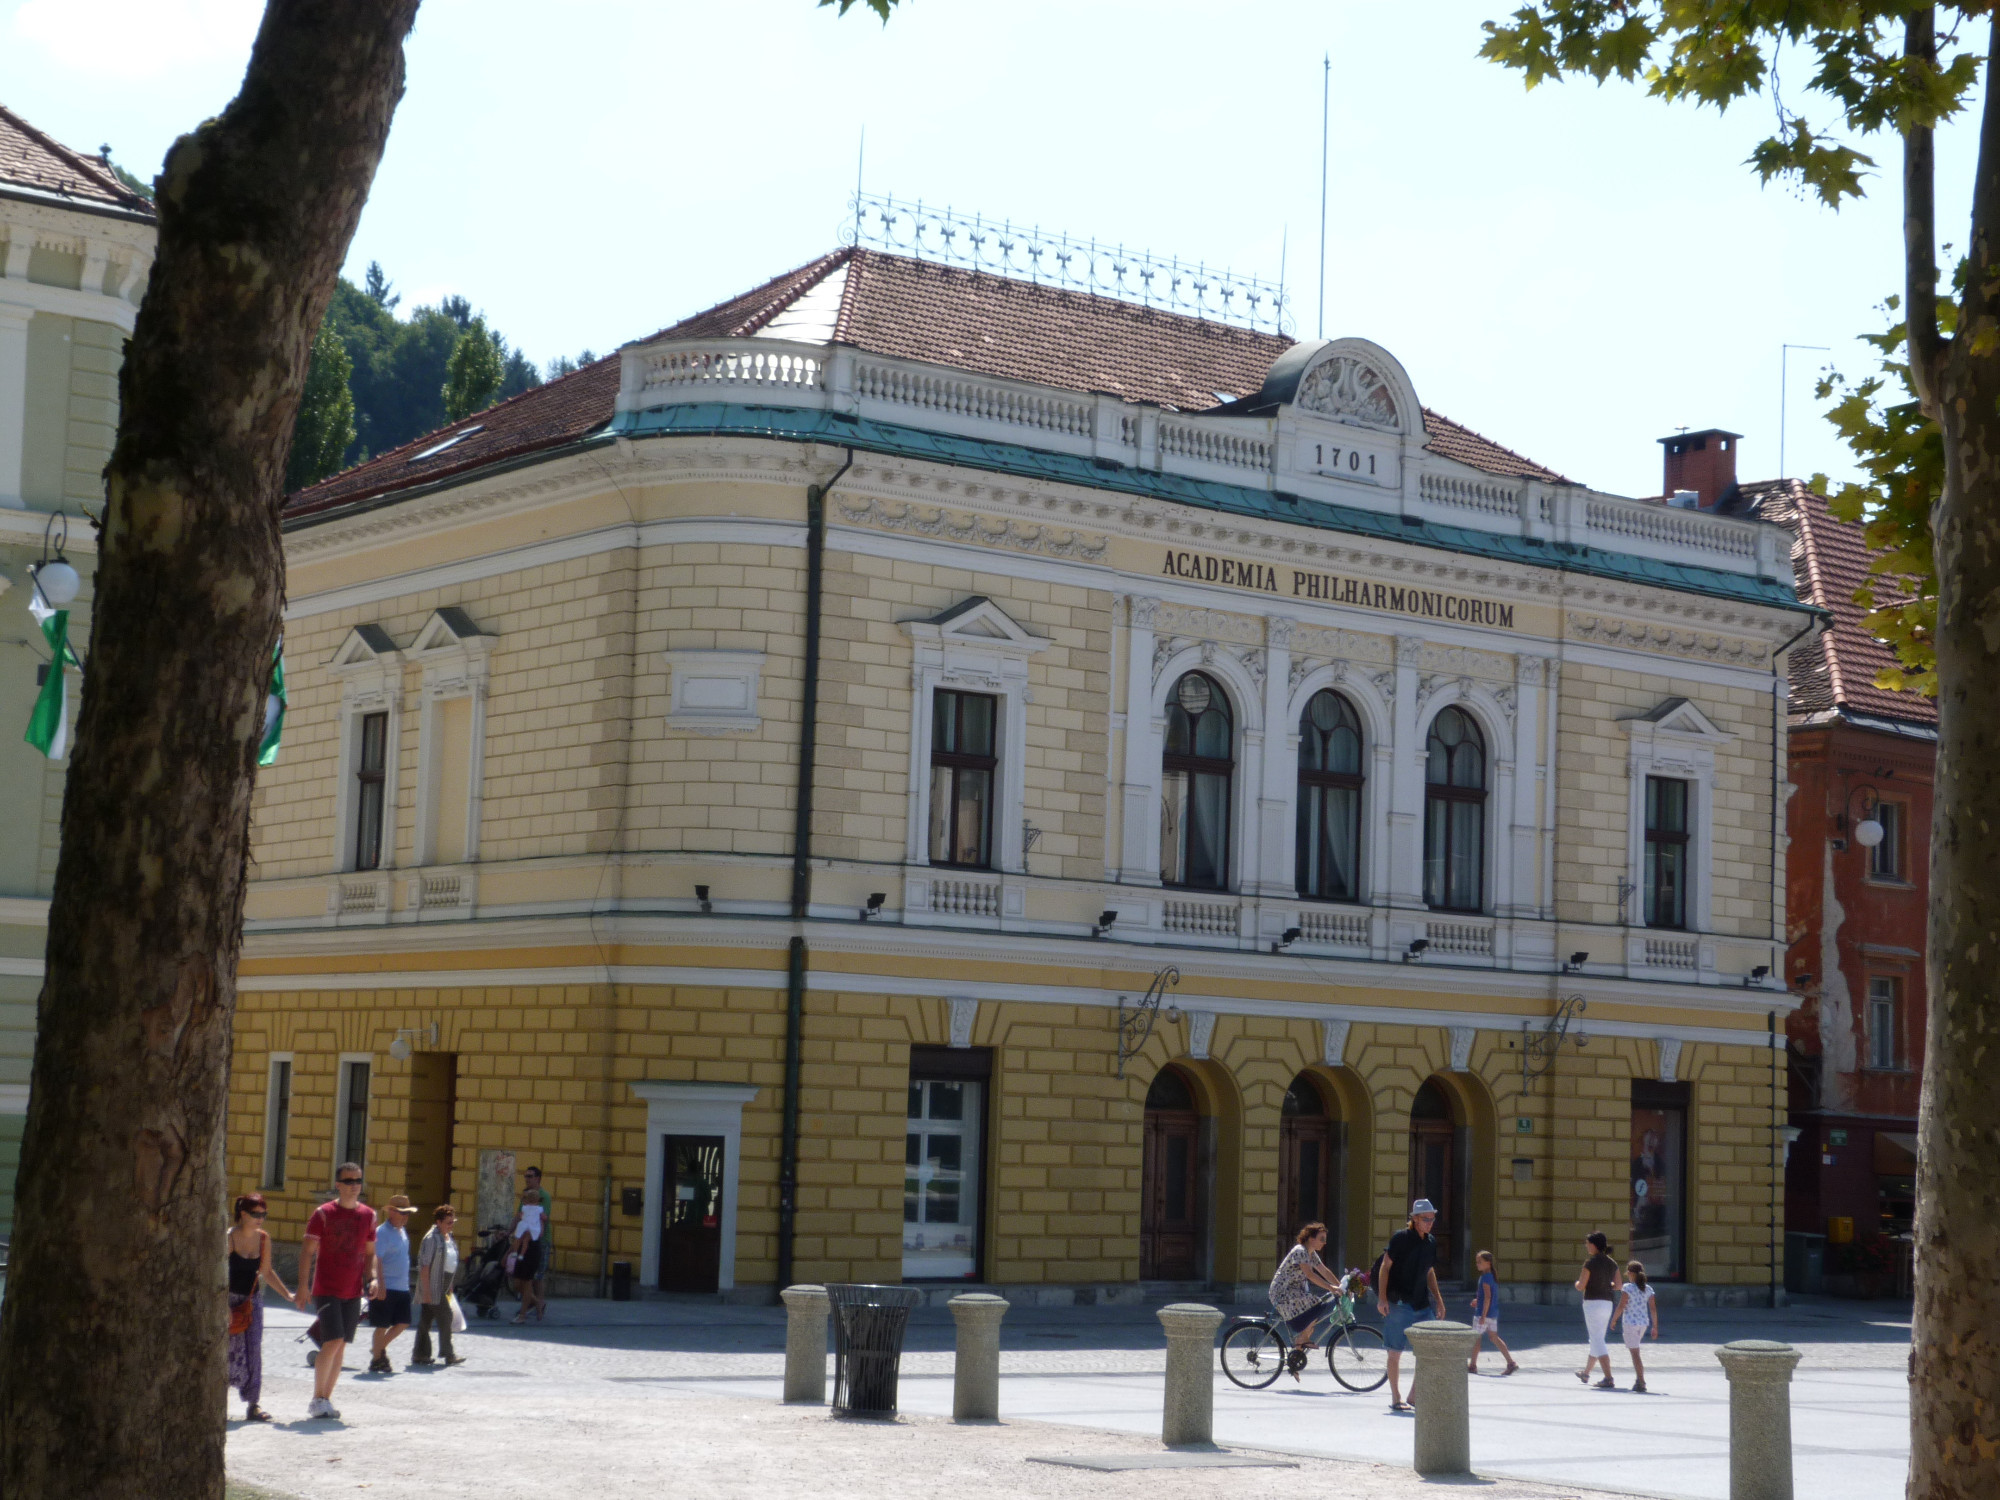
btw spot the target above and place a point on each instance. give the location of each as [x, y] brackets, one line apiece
[1955, 1354]
[112, 1382]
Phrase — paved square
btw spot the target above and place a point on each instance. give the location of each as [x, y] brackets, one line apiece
[628, 1393]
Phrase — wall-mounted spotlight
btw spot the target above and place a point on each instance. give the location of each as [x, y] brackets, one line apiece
[1417, 949]
[1803, 981]
[701, 898]
[1103, 923]
[1755, 978]
[402, 1046]
[874, 906]
[1291, 936]
[1575, 962]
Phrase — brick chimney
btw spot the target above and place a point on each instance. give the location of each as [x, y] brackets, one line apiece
[1704, 462]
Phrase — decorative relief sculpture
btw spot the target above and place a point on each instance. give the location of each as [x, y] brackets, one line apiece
[1253, 663]
[964, 1011]
[1144, 612]
[1467, 661]
[1342, 645]
[1346, 388]
[1333, 1042]
[1461, 1048]
[962, 528]
[1302, 668]
[1530, 669]
[1201, 1032]
[1696, 645]
[1212, 624]
[1278, 631]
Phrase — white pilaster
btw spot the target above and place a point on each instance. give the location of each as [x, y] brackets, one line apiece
[1277, 829]
[13, 399]
[1406, 798]
[1138, 861]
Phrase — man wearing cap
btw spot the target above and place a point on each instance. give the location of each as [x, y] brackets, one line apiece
[1408, 1290]
[389, 1307]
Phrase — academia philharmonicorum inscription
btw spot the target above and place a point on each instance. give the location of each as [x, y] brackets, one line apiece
[1333, 589]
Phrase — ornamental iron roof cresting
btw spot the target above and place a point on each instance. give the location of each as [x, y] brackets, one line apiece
[1050, 259]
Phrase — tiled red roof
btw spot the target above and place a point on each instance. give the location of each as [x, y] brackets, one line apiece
[911, 309]
[1830, 560]
[42, 164]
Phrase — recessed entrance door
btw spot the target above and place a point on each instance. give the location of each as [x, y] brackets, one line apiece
[1170, 1198]
[1432, 1171]
[691, 1223]
[1305, 1166]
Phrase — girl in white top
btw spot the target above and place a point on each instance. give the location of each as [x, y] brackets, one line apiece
[1638, 1312]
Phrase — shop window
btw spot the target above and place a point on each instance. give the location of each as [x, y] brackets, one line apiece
[1454, 813]
[1329, 849]
[371, 762]
[962, 778]
[1658, 1232]
[277, 1119]
[1884, 1019]
[1895, 1181]
[1887, 860]
[943, 1163]
[1195, 787]
[1666, 862]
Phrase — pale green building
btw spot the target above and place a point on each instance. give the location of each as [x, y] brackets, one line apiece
[75, 248]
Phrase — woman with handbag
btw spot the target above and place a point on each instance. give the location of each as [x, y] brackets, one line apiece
[437, 1270]
[249, 1264]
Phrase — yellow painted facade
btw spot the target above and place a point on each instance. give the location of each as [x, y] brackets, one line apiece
[585, 870]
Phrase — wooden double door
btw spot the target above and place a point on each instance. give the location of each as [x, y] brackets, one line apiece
[1170, 1198]
[1434, 1175]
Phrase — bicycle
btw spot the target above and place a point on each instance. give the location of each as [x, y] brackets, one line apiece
[1256, 1351]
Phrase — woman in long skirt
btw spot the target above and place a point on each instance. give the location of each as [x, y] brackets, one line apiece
[249, 1265]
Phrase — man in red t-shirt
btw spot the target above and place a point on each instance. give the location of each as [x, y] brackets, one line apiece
[338, 1262]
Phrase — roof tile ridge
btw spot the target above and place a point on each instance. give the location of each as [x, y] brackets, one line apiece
[90, 167]
[796, 284]
[856, 259]
[533, 391]
[1428, 412]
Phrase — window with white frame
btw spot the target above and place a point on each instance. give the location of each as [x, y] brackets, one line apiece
[350, 1116]
[1671, 816]
[277, 1119]
[1197, 770]
[1665, 891]
[1454, 813]
[1884, 1018]
[968, 741]
[453, 653]
[369, 669]
[371, 764]
[1329, 806]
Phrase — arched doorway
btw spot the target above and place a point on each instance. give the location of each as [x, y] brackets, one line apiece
[1435, 1170]
[1170, 1218]
[1308, 1165]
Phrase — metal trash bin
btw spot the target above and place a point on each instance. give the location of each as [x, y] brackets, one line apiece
[868, 1327]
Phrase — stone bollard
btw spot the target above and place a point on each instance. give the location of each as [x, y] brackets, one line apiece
[975, 1379]
[1438, 1391]
[1760, 1418]
[1188, 1415]
[806, 1309]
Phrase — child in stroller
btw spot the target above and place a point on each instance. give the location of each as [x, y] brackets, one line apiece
[484, 1276]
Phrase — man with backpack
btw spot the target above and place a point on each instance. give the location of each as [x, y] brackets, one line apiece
[1406, 1290]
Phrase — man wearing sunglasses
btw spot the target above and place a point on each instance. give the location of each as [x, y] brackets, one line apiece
[337, 1264]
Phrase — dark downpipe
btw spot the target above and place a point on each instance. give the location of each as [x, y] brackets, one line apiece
[795, 969]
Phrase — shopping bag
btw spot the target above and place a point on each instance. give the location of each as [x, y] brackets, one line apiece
[457, 1313]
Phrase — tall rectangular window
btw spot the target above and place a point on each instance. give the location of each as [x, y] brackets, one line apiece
[962, 774]
[1666, 863]
[943, 1180]
[352, 1124]
[1883, 1019]
[1658, 1228]
[370, 769]
[277, 1121]
[1886, 860]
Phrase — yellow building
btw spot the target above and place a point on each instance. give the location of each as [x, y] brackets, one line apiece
[75, 248]
[1110, 639]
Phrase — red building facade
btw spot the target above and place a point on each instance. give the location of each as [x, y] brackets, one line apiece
[1857, 883]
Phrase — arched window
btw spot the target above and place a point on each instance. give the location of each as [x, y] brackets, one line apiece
[1194, 789]
[1329, 799]
[1455, 813]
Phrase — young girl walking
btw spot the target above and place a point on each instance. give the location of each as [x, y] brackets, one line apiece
[1638, 1311]
[1486, 1315]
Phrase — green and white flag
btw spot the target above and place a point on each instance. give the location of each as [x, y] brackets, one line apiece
[274, 708]
[48, 725]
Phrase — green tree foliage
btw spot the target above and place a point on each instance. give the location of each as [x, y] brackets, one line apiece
[402, 366]
[1901, 451]
[563, 365]
[473, 373]
[325, 429]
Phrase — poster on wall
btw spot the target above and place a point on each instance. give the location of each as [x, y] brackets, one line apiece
[496, 1200]
[1659, 1189]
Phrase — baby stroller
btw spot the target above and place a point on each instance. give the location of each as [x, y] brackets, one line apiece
[483, 1277]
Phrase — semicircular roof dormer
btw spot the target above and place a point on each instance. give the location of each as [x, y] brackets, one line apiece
[1347, 380]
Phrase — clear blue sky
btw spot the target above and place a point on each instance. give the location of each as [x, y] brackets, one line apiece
[1574, 272]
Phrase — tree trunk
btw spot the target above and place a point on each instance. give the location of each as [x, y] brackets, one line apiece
[112, 1333]
[1955, 1355]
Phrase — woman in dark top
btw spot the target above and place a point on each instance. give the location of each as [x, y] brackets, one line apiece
[1598, 1283]
[249, 1263]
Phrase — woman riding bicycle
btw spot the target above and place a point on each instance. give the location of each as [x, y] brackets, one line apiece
[1302, 1289]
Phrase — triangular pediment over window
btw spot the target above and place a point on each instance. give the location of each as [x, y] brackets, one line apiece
[365, 646]
[1677, 716]
[445, 629]
[976, 622]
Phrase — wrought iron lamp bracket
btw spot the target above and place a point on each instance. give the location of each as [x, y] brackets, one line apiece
[1539, 1049]
[1135, 1024]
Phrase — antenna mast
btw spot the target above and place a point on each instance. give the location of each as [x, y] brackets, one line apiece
[1325, 112]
